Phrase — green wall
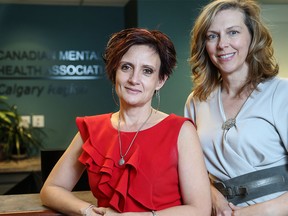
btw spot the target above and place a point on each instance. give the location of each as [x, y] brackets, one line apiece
[49, 29]
[175, 18]
[56, 28]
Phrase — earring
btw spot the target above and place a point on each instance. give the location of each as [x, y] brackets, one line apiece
[113, 95]
[157, 95]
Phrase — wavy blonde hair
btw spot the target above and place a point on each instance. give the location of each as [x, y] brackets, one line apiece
[260, 58]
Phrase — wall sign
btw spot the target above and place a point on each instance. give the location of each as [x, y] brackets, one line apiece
[43, 65]
[62, 65]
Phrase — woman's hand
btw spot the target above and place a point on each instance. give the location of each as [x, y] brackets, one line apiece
[260, 209]
[253, 210]
[275, 207]
[99, 211]
[220, 206]
[105, 211]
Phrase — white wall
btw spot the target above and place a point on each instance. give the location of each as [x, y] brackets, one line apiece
[276, 16]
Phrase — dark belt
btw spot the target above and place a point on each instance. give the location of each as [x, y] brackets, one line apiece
[255, 184]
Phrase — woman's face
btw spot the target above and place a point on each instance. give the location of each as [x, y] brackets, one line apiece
[137, 76]
[227, 42]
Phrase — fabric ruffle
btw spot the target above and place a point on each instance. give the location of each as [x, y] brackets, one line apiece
[117, 185]
[130, 187]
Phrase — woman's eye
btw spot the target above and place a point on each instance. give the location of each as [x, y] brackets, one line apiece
[148, 71]
[212, 36]
[232, 33]
[125, 67]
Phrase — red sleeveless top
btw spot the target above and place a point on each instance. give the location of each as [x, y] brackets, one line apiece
[149, 178]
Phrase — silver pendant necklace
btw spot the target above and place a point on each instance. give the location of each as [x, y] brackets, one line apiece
[231, 122]
[122, 160]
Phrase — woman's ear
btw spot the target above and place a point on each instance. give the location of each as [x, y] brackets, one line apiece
[161, 82]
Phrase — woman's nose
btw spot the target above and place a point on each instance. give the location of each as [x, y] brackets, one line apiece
[134, 77]
[223, 42]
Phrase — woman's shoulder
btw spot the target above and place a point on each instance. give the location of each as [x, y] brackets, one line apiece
[282, 81]
[192, 99]
[274, 91]
[277, 81]
[165, 118]
[93, 118]
[174, 119]
[275, 85]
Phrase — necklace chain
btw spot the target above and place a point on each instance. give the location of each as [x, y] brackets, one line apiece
[122, 160]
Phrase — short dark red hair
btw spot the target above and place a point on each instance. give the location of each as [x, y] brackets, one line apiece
[120, 42]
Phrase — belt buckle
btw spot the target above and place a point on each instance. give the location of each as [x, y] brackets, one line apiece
[231, 191]
[226, 191]
[241, 191]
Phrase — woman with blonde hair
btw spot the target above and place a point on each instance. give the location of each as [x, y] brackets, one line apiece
[239, 106]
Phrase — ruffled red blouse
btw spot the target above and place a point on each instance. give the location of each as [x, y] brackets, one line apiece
[149, 178]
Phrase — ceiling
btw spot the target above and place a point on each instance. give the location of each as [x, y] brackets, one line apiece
[273, 1]
[68, 2]
[99, 2]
